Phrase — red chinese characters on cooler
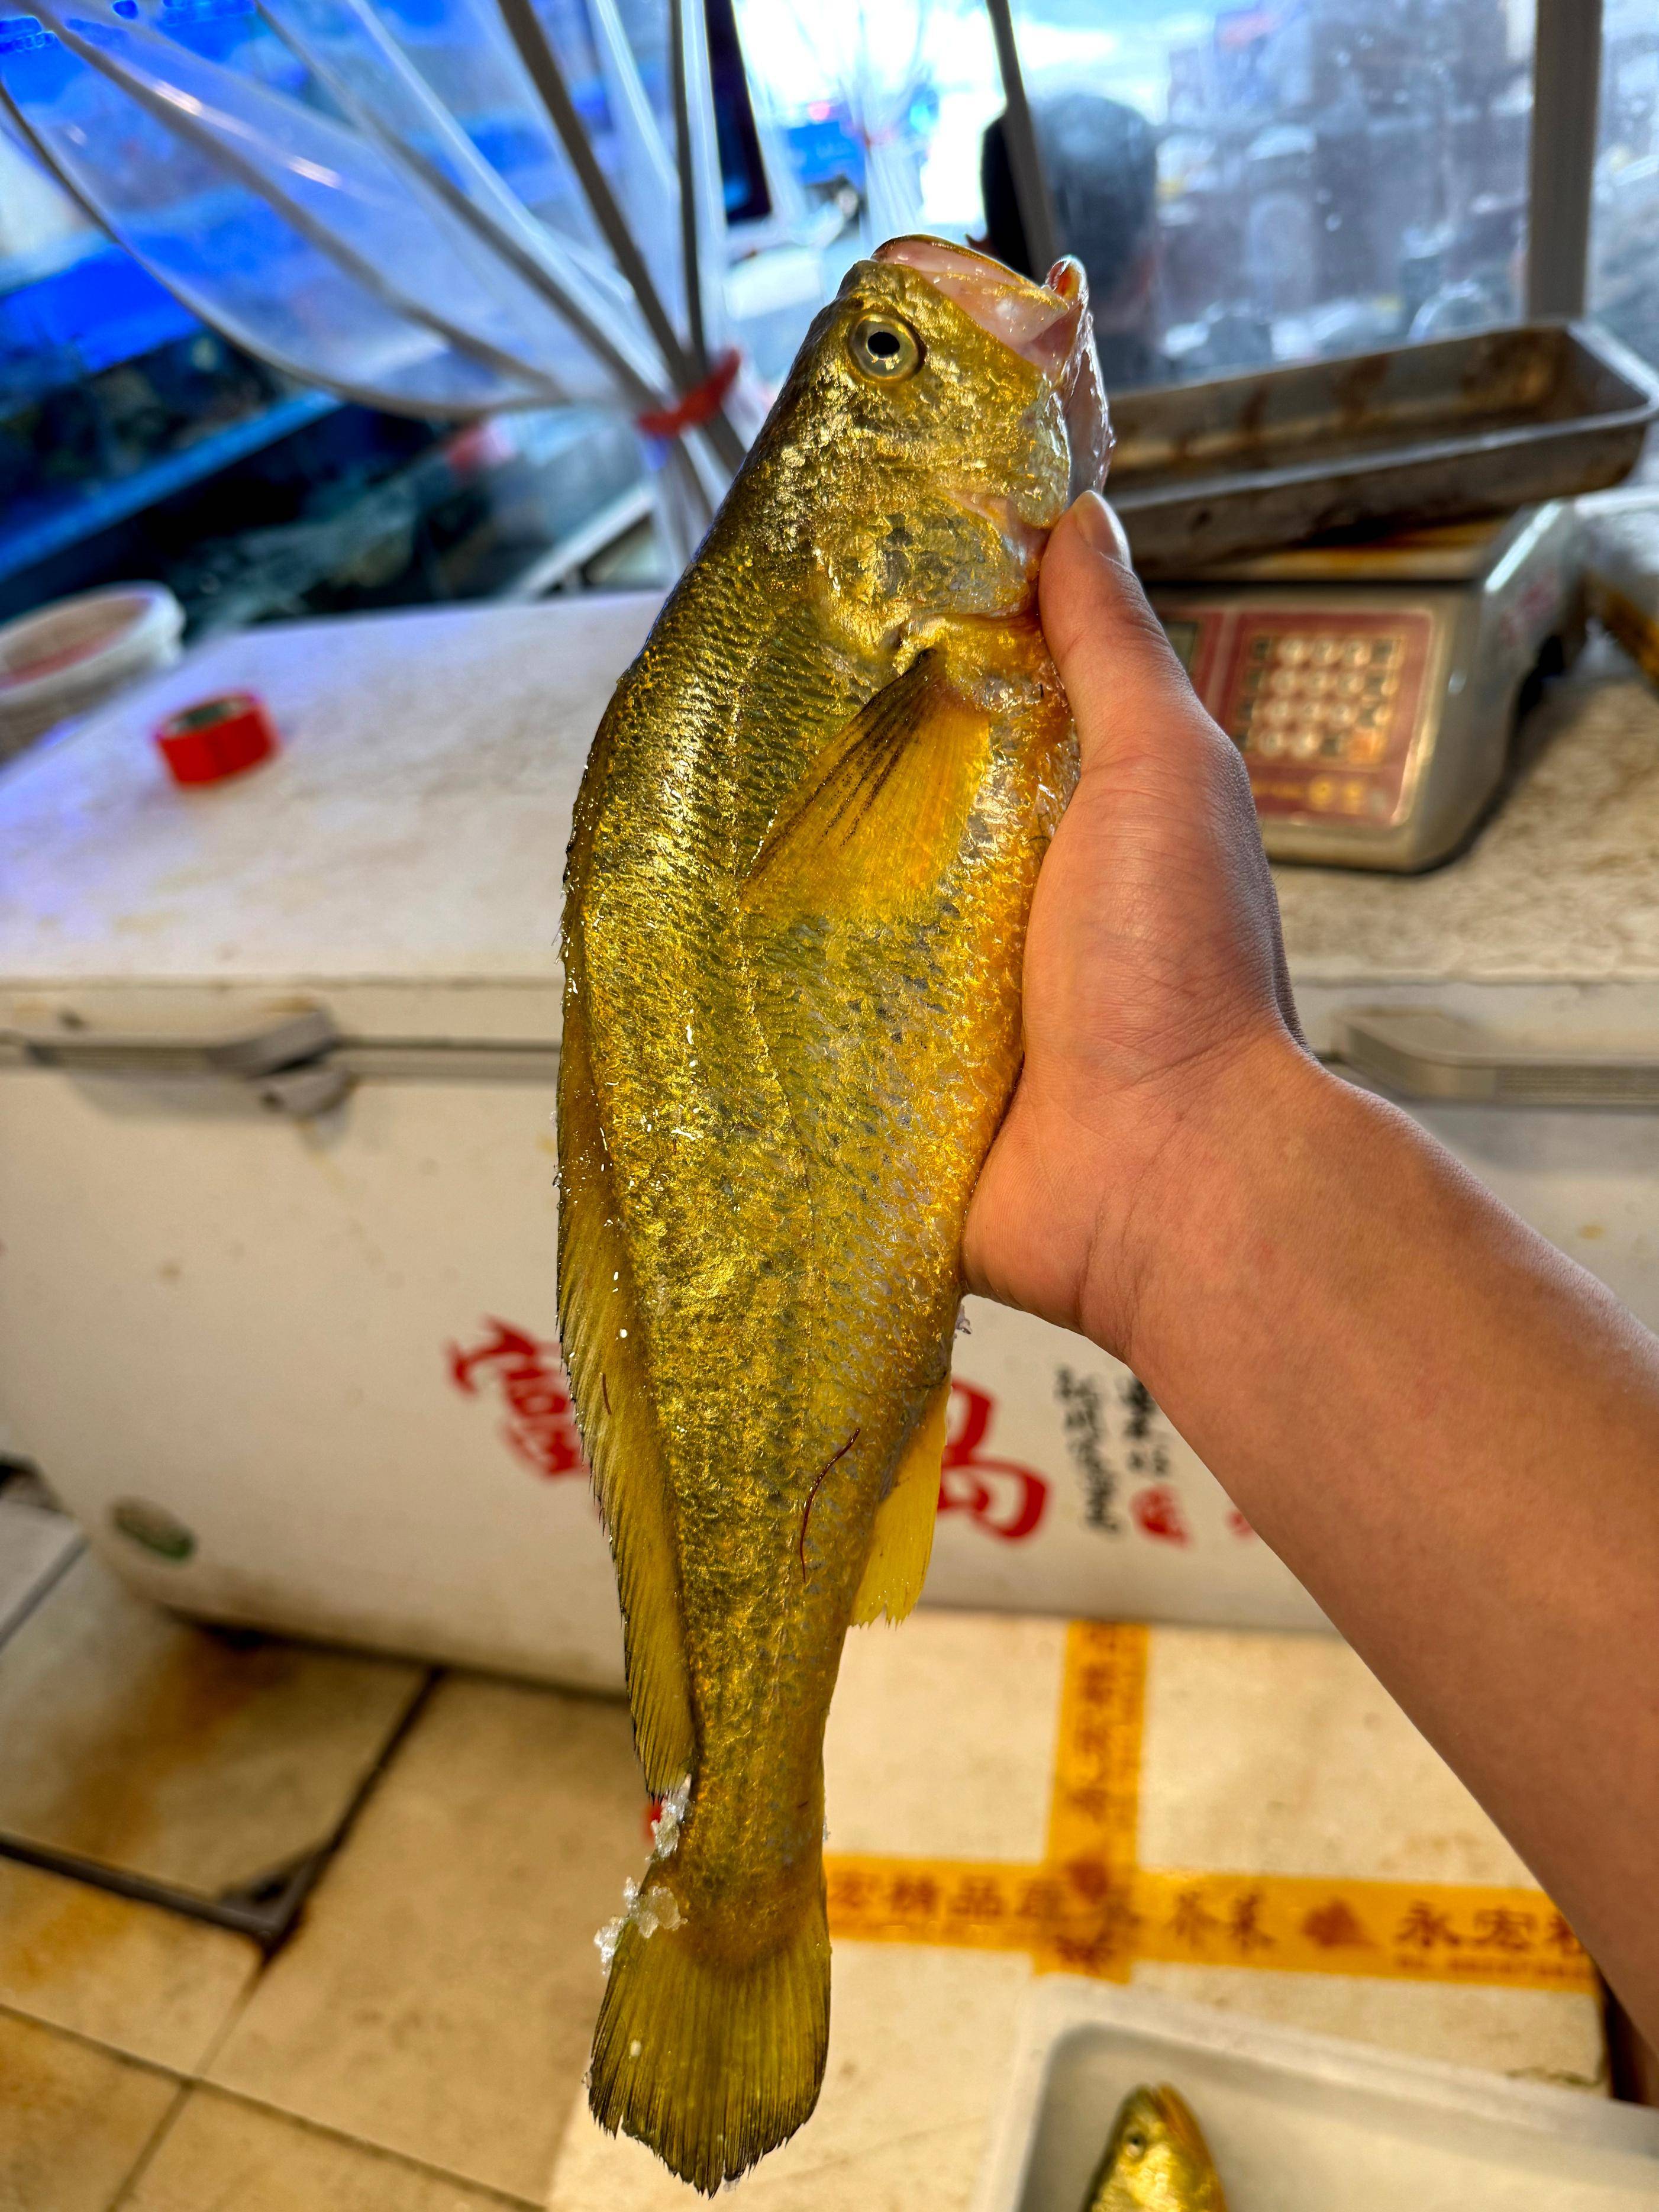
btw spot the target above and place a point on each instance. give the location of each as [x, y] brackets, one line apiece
[528, 1372]
[1004, 1499]
[1157, 1512]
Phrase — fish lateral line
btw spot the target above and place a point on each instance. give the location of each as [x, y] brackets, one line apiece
[812, 1495]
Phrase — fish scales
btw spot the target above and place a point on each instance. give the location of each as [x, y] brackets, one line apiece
[803, 855]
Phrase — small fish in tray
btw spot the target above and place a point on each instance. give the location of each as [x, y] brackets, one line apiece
[1156, 2160]
[796, 899]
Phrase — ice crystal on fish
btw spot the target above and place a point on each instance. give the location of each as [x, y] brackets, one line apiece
[656, 1907]
[606, 1941]
[665, 1828]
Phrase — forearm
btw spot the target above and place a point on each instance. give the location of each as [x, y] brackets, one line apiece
[1381, 1364]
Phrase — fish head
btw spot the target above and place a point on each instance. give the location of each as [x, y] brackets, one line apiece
[1047, 324]
[944, 412]
[1156, 2160]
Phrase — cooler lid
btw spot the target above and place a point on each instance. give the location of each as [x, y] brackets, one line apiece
[408, 839]
[406, 847]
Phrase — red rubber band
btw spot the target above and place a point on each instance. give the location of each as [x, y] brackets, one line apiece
[698, 405]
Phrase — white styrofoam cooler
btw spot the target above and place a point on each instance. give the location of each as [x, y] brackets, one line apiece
[1301, 2122]
[276, 1207]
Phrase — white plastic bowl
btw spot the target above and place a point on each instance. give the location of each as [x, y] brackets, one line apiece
[64, 659]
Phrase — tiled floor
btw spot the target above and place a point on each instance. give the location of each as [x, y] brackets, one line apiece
[207, 1763]
[222, 2155]
[415, 2046]
[136, 1979]
[36, 1545]
[440, 1998]
[78, 2118]
[417, 2042]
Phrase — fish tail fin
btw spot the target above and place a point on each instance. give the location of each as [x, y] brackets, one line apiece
[710, 2061]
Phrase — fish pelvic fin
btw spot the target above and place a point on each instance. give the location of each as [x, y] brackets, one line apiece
[601, 1339]
[902, 1541]
[708, 2060]
[879, 813]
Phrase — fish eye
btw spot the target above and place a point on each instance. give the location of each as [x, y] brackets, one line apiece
[884, 348]
[1134, 2143]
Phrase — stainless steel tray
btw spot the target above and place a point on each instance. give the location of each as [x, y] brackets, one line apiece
[1417, 434]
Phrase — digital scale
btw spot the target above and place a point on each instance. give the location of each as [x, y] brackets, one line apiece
[1373, 687]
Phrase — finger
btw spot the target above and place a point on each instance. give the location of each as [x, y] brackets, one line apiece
[1127, 689]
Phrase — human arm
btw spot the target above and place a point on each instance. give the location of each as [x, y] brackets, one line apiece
[1447, 1430]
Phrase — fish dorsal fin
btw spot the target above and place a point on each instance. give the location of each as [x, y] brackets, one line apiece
[879, 813]
[902, 1541]
[599, 1332]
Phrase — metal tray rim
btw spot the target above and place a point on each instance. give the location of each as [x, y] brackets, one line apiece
[1179, 523]
[1638, 412]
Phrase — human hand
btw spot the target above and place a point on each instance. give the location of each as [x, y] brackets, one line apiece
[1155, 982]
[1399, 1385]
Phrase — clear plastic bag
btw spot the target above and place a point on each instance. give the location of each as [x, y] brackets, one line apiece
[441, 206]
[226, 252]
[377, 220]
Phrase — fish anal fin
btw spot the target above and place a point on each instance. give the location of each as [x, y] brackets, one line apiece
[880, 812]
[601, 1340]
[902, 1541]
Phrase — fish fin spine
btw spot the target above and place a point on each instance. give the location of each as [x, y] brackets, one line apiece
[710, 2062]
[902, 1543]
[601, 1340]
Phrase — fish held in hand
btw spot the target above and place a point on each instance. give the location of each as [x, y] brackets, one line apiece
[796, 898]
[1156, 2160]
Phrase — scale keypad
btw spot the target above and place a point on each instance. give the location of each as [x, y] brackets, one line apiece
[1323, 704]
[1323, 707]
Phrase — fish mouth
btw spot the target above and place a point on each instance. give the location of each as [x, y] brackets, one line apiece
[1047, 324]
[1179, 2117]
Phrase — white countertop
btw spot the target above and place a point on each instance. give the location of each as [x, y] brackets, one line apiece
[413, 828]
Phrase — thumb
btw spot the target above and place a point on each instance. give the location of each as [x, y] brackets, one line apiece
[1128, 691]
[1134, 708]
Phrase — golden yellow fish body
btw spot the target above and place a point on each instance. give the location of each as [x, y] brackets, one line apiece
[803, 855]
[1157, 2159]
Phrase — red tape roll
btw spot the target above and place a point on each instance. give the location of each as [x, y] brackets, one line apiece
[217, 737]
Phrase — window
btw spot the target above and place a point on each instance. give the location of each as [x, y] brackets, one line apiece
[1624, 272]
[1246, 183]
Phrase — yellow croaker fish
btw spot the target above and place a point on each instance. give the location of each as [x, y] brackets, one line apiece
[796, 901]
[1156, 2160]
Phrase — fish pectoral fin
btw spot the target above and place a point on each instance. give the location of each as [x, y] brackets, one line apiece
[902, 1541]
[600, 1336]
[879, 813]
